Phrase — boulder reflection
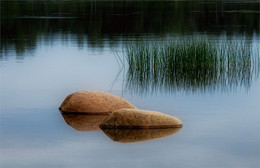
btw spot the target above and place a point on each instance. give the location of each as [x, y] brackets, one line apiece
[92, 123]
[138, 135]
[84, 122]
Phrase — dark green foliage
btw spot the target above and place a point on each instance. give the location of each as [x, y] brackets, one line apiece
[24, 23]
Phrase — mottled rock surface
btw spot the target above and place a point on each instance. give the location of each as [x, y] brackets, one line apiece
[140, 119]
[138, 135]
[93, 102]
[84, 122]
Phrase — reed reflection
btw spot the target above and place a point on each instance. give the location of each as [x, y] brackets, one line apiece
[138, 135]
[191, 65]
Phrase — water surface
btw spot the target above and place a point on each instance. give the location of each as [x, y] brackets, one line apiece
[50, 49]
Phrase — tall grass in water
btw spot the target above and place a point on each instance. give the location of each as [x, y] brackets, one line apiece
[190, 65]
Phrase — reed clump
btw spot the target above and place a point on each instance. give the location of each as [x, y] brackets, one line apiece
[190, 65]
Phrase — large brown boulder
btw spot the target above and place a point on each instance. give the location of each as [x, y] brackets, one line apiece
[93, 102]
[138, 135]
[139, 119]
[84, 122]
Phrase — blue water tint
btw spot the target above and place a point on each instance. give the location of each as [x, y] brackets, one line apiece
[45, 56]
[220, 129]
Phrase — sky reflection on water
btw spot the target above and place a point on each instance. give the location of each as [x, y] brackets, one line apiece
[47, 53]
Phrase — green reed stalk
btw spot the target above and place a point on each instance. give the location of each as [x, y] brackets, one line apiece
[190, 64]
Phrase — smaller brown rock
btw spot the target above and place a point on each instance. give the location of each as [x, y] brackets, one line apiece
[93, 102]
[139, 119]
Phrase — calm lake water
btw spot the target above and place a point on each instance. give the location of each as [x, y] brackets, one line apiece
[50, 49]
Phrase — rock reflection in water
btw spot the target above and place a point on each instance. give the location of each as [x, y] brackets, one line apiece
[138, 135]
[84, 122]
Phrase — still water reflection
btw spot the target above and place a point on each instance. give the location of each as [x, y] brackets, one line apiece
[84, 122]
[138, 135]
[50, 49]
[92, 122]
[94, 23]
